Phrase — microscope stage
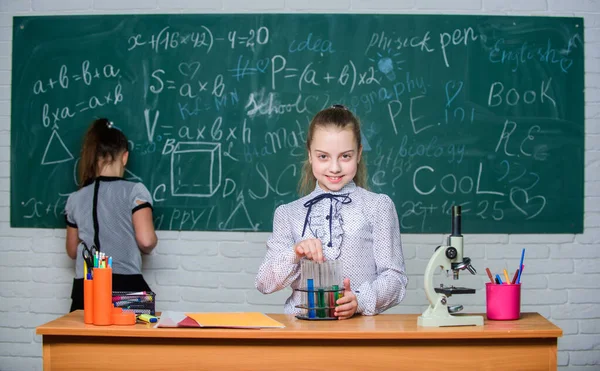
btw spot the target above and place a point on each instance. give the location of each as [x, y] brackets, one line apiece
[449, 291]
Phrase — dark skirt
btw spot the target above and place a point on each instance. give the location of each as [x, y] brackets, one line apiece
[121, 282]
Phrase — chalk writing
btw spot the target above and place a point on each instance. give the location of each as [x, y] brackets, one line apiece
[482, 112]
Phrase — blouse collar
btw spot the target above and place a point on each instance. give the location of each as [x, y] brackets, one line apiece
[347, 189]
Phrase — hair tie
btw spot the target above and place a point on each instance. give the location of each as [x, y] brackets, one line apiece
[111, 125]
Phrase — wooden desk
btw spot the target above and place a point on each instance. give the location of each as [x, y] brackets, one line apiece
[387, 341]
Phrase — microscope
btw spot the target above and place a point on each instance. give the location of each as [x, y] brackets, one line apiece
[449, 257]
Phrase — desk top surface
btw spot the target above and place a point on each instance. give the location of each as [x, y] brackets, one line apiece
[383, 326]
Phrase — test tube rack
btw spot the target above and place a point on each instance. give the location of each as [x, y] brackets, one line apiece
[321, 287]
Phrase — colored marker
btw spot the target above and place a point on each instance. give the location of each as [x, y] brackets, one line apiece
[506, 276]
[147, 318]
[489, 273]
[521, 265]
[514, 280]
[132, 298]
[499, 279]
[121, 300]
[520, 271]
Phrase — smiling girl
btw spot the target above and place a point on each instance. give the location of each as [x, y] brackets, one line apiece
[338, 220]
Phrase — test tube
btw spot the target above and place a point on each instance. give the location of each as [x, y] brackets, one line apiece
[325, 283]
[330, 284]
[336, 283]
[312, 293]
[303, 282]
[321, 312]
[307, 276]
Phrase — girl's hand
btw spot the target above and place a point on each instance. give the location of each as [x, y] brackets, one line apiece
[348, 304]
[311, 249]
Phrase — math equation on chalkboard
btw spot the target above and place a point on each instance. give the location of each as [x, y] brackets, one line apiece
[485, 112]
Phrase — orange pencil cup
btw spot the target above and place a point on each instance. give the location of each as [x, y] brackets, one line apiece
[503, 302]
[102, 296]
[88, 301]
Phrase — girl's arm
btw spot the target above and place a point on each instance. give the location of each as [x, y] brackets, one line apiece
[143, 225]
[72, 242]
[72, 239]
[389, 288]
[280, 267]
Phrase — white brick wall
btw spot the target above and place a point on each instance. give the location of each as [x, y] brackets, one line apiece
[382, 5]
[188, 5]
[215, 271]
[449, 5]
[61, 5]
[515, 5]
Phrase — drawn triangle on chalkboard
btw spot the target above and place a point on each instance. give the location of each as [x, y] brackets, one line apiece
[364, 142]
[240, 212]
[56, 151]
[131, 176]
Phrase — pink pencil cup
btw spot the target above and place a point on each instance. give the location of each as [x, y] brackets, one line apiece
[503, 302]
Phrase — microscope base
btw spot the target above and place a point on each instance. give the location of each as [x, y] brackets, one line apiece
[450, 320]
[438, 316]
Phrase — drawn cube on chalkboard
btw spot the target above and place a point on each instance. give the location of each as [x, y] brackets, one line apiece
[195, 169]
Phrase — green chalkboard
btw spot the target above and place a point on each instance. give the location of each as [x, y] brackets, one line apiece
[486, 112]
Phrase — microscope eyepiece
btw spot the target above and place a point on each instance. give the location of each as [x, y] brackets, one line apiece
[456, 221]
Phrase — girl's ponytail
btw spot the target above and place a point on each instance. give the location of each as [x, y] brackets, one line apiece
[102, 143]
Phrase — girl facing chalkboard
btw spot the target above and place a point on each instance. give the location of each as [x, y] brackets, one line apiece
[338, 220]
[109, 212]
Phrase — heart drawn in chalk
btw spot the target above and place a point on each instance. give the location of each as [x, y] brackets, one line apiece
[262, 64]
[189, 69]
[452, 91]
[521, 201]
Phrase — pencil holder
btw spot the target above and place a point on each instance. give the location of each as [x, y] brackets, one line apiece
[102, 305]
[137, 302]
[120, 318]
[88, 301]
[503, 301]
[320, 289]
